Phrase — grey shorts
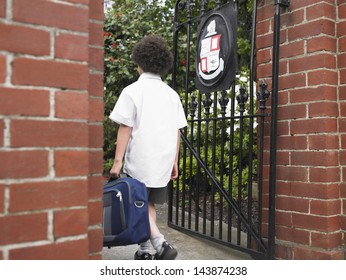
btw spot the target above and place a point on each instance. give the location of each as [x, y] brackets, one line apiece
[157, 195]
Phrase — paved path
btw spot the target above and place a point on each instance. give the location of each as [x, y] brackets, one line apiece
[188, 247]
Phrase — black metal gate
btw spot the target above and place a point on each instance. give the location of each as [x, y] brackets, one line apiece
[226, 187]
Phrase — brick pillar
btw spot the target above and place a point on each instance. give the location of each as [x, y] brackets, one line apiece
[95, 127]
[311, 134]
[341, 35]
[50, 129]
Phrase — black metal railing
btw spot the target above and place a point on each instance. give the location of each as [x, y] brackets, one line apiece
[225, 192]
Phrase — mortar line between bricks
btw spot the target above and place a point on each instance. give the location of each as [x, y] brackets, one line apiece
[44, 28]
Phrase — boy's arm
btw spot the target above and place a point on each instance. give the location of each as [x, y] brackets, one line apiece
[175, 171]
[124, 134]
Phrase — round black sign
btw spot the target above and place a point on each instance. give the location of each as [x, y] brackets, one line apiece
[215, 53]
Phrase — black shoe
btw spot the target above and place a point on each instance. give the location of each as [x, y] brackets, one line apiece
[167, 252]
[143, 257]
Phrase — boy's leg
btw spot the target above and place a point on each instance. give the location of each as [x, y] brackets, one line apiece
[156, 238]
[144, 251]
[164, 250]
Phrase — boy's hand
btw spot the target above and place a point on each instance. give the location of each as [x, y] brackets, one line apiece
[115, 170]
[175, 172]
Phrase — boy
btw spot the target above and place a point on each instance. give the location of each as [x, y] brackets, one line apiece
[150, 115]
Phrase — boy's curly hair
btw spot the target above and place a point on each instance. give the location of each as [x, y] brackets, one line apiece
[153, 55]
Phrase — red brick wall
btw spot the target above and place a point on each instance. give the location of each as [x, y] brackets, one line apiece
[95, 140]
[341, 34]
[51, 135]
[311, 136]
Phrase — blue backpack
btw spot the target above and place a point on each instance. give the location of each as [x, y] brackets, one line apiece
[125, 212]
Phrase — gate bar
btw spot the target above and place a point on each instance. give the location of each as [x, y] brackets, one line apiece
[251, 132]
[274, 104]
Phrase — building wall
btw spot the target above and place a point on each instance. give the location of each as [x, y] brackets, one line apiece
[310, 216]
[51, 135]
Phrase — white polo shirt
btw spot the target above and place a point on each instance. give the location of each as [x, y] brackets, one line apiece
[155, 113]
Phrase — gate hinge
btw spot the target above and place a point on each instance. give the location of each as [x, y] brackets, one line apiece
[283, 3]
